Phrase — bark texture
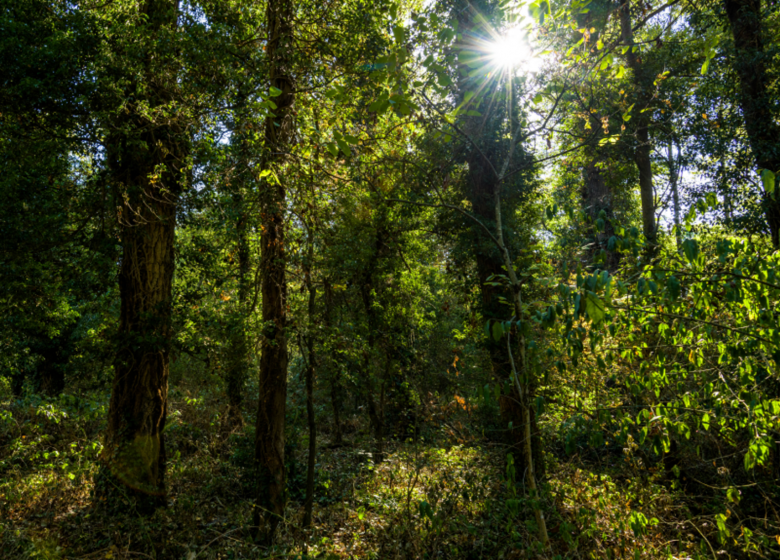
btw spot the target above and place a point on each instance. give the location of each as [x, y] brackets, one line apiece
[372, 375]
[269, 438]
[759, 109]
[332, 367]
[597, 198]
[238, 361]
[146, 157]
[310, 366]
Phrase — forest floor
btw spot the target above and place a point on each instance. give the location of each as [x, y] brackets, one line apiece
[448, 495]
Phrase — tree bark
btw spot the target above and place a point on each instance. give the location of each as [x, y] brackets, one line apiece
[310, 365]
[759, 109]
[367, 293]
[269, 438]
[643, 82]
[238, 348]
[146, 159]
[332, 367]
[597, 197]
[674, 176]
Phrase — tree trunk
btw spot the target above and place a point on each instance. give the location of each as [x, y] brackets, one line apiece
[490, 262]
[643, 82]
[332, 368]
[146, 159]
[376, 415]
[674, 176]
[597, 197]
[757, 104]
[307, 510]
[269, 439]
[367, 292]
[238, 348]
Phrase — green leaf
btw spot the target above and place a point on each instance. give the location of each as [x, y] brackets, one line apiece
[594, 307]
[332, 148]
[344, 147]
[379, 106]
[723, 531]
[705, 421]
[768, 180]
[274, 92]
[398, 33]
[691, 250]
[673, 286]
[498, 331]
[444, 80]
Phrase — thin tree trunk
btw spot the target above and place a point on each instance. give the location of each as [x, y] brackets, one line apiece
[757, 104]
[238, 348]
[238, 359]
[643, 82]
[269, 439]
[145, 159]
[334, 377]
[674, 175]
[376, 415]
[307, 510]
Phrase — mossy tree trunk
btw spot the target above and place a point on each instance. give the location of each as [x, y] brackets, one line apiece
[146, 154]
[269, 435]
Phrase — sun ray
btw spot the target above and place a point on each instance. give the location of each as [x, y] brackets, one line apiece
[511, 50]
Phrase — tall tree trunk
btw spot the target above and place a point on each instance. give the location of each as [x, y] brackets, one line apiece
[307, 510]
[597, 197]
[376, 416]
[269, 439]
[759, 108]
[643, 82]
[332, 367]
[483, 190]
[238, 349]
[146, 159]
[367, 293]
[493, 258]
[674, 176]
[490, 262]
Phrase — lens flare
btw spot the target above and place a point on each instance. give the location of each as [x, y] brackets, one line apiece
[511, 50]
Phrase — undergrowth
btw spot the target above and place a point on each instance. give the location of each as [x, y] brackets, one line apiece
[449, 493]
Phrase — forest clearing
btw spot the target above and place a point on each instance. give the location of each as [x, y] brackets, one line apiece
[389, 280]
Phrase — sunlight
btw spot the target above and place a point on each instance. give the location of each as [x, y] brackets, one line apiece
[512, 51]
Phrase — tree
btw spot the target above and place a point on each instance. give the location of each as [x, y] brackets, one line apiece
[643, 82]
[279, 128]
[755, 98]
[147, 156]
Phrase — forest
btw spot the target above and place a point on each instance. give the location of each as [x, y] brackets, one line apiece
[389, 279]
